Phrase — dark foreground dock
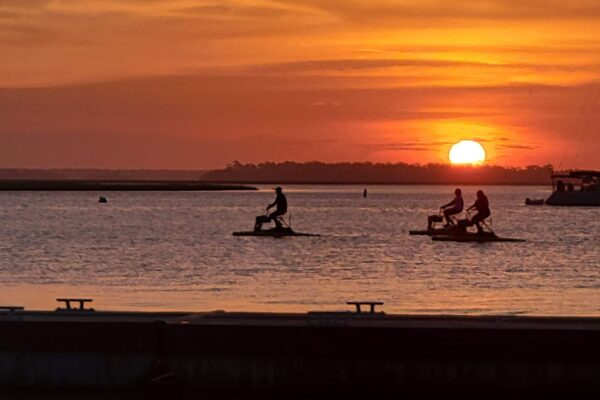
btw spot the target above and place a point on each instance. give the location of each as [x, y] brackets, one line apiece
[313, 353]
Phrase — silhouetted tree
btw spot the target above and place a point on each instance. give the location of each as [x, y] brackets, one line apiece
[367, 172]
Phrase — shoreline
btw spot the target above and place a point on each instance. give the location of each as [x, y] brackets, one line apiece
[116, 185]
[274, 182]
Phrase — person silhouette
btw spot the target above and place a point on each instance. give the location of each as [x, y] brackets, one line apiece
[454, 207]
[449, 209]
[280, 205]
[482, 206]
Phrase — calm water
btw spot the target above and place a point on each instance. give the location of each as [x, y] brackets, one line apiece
[174, 250]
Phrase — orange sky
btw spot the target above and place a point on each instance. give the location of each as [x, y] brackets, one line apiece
[197, 84]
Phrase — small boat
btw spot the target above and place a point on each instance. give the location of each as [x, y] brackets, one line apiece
[274, 232]
[474, 237]
[534, 202]
[575, 188]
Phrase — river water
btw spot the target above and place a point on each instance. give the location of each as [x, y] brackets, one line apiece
[174, 251]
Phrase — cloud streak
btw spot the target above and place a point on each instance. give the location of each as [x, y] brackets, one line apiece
[436, 10]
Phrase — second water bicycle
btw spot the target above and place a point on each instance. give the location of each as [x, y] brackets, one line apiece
[457, 230]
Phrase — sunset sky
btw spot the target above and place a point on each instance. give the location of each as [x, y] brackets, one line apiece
[198, 84]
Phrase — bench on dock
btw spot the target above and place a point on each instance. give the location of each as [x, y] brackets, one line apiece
[68, 300]
[11, 309]
[372, 304]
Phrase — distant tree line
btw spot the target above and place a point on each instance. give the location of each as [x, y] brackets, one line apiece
[374, 173]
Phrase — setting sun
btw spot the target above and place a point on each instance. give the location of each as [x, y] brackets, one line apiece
[467, 152]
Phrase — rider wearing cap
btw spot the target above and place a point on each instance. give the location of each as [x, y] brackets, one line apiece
[482, 206]
[281, 208]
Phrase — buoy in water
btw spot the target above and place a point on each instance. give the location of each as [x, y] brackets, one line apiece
[102, 199]
[365, 192]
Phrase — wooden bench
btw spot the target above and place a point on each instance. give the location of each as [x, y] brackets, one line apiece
[12, 309]
[68, 300]
[365, 303]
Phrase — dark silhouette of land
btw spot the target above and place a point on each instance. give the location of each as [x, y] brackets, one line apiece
[72, 185]
[285, 172]
[378, 173]
[91, 174]
[107, 179]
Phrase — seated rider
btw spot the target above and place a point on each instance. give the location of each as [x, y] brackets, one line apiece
[482, 206]
[452, 208]
[281, 209]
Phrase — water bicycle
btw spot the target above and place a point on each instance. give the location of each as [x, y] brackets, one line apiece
[455, 228]
[277, 232]
[479, 237]
[459, 232]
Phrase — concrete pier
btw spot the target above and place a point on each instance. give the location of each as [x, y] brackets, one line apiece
[264, 353]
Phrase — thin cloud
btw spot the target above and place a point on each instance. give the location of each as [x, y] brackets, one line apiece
[557, 48]
[406, 146]
[228, 10]
[518, 146]
[342, 65]
[357, 64]
[400, 13]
